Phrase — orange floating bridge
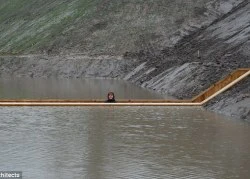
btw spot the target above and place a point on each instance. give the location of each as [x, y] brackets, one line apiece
[216, 89]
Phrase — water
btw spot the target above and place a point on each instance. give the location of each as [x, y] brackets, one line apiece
[28, 88]
[122, 142]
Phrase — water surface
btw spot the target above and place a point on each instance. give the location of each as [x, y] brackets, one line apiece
[28, 88]
[122, 142]
[115, 142]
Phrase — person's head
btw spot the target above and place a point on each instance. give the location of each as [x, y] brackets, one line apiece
[111, 96]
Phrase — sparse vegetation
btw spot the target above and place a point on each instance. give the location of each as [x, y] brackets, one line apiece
[94, 26]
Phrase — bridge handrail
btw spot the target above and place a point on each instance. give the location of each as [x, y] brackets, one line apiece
[233, 76]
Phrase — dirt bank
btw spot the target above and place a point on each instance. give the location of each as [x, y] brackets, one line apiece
[70, 66]
[235, 102]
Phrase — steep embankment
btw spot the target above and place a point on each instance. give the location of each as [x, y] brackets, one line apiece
[223, 46]
[234, 102]
[69, 66]
[101, 26]
[181, 72]
[175, 47]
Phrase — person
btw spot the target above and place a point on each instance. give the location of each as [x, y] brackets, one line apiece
[110, 98]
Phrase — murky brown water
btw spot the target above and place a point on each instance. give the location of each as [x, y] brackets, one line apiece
[19, 88]
[122, 142]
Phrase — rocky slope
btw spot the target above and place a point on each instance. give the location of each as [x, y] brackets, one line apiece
[200, 59]
[177, 47]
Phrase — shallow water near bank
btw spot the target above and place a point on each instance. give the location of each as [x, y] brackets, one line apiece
[122, 142]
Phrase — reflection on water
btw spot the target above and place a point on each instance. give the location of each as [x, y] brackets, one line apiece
[122, 142]
[70, 89]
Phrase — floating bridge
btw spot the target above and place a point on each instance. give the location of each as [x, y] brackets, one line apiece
[216, 89]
